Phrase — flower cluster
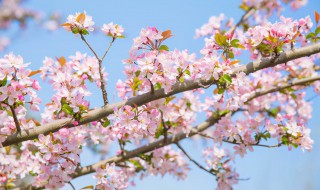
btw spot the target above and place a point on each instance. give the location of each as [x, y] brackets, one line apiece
[109, 178]
[214, 25]
[68, 80]
[79, 23]
[270, 39]
[11, 10]
[218, 162]
[113, 30]
[17, 90]
[59, 157]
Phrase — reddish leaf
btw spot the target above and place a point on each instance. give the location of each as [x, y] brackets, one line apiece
[34, 73]
[216, 91]
[66, 24]
[61, 60]
[234, 62]
[166, 34]
[81, 18]
[316, 16]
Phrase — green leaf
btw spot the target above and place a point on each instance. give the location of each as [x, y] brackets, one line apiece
[223, 112]
[168, 99]
[234, 43]
[226, 78]
[136, 83]
[84, 32]
[164, 47]
[310, 35]
[75, 30]
[137, 165]
[231, 55]
[32, 173]
[67, 109]
[293, 96]
[295, 145]
[221, 40]
[181, 79]
[158, 86]
[220, 90]
[137, 73]
[3, 82]
[187, 72]
[273, 112]
[317, 30]
[159, 131]
[106, 123]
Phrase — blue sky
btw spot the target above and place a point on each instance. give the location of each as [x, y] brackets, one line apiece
[275, 169]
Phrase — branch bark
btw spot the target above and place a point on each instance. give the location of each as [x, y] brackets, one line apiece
[99, 113]
[180, 136]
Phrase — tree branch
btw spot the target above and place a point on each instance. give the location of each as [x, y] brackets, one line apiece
[102, 82]
[15, 119]
[192, 160]
[231, 142]
[99, 113]
[175, 138]
[85, 41]
[106, 52]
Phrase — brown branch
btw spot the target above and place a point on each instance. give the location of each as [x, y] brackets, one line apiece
[293, 83]
[144, 149]
[85, 41]
[231, 142]
[139, 100]
[244, 17]
[15, 119]
[170, 140]
[106, 52]
[192, 160]
[102, 82]
[103, 85]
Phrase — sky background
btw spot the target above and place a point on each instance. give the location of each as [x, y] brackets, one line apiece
[275, 169]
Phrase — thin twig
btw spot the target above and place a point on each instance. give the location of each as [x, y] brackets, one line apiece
[121, 147]
[231, 142]
[192, 160]
[15, 118]
[110, 44]
[85, 41]
[102, 82]
[244, 17]
[71, 185]
[103, 85]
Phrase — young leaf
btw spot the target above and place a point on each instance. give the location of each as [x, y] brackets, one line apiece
[231, 55]
[81, 18]
[34, 73]
[227, 78]
[316, 16]
[67, 109]
[317, 31]
[61, 60]
[3, 82]
[220, 39]
[166, 34]
[164, 48]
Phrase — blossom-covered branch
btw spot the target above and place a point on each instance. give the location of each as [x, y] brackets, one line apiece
[139, 100]
[178, 137]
